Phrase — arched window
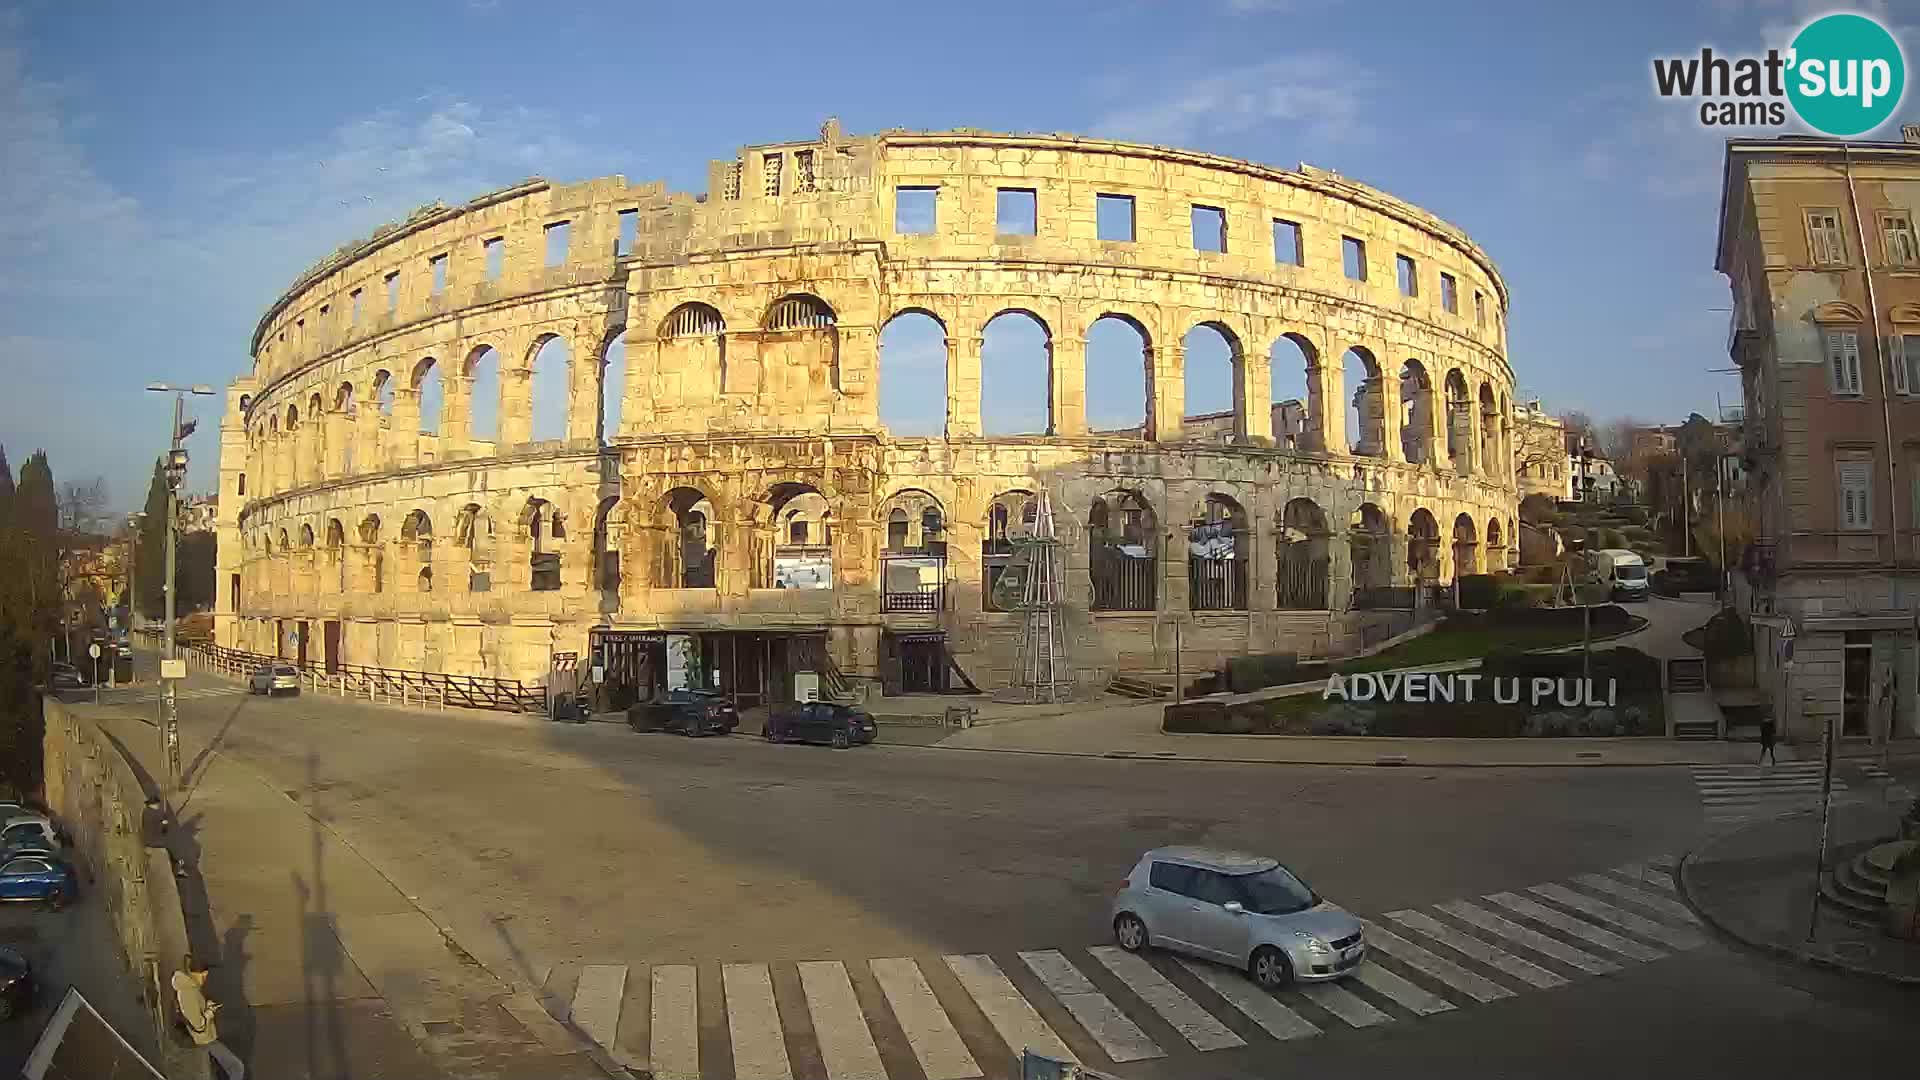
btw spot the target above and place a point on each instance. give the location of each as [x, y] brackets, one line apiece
[1123, 552]
[686, 554]
[1007, 522]
[897, 530]
[1217, 549]
[803, 538]
[693, 346]
[1304, 557]
[425, 581]
[1214, 410]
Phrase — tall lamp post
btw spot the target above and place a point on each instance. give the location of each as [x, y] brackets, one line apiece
[171, 668]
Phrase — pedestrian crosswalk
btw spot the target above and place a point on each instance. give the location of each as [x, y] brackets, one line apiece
[1736, 793]
[133, 695]
[960, 1016]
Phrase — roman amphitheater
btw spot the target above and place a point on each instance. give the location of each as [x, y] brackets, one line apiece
[715, 478]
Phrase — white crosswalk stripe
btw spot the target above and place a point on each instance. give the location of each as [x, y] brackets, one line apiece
[1620, 916]
[1018, 1022]
[839, 1024]
[1585, 931]
[753, 1022]
[1120, 1037]
[1674, 910]
[1736, 793]
[1194, 1023]
[937, 1046]
[1259, 1006]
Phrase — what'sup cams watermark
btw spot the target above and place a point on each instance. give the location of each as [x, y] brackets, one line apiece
[1842, 75]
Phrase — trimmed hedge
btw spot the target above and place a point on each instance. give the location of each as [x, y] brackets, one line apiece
[1261, 670]
[1478, 591]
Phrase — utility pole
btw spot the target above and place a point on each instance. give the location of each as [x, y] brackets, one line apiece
[1686, 507]
[176, 471]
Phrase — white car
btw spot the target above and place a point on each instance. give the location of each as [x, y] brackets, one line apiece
[30, 831]
[274, 679]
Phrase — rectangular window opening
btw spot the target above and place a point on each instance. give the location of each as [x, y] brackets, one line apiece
[393, 291]
[1449, 293]
[1113, 218]
[438, 266]
[1017, 212]
[557, 242]
[1826, 243]
[1907, 363]
[1408, 274]
[628, 233]
[495, 252]
[1896, 231]
[915, 210]
[1479, 308]
[1209, 229]
[354, 312]
[1353, 257]
[1856, 495]
[1286, 243]
[1843, 362]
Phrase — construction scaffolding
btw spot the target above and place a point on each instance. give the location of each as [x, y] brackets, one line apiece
[1033, 583]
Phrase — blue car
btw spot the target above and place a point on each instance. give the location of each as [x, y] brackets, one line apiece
[37, 877]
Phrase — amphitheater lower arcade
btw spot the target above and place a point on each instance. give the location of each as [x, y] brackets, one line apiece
[708, 467]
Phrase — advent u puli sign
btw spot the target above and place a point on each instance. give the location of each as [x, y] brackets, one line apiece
[1432, 688]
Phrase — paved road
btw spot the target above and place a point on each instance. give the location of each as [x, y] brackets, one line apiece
[724, 907]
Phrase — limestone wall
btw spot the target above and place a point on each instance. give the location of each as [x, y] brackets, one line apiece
[750, 318]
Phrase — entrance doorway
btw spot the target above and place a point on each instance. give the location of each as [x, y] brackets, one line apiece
[330, 643]
[916, 664]
[635, 663]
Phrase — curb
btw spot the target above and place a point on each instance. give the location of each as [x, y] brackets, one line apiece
[1774, 948]
[1384, 759]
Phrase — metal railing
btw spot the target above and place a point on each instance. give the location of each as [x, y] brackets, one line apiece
[376, 684]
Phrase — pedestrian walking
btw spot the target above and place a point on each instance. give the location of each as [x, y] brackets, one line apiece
[197, 1017]
[1766, 742]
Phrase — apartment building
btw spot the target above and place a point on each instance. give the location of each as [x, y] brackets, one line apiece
[1817, 240]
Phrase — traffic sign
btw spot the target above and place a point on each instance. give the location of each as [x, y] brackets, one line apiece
[93, 650]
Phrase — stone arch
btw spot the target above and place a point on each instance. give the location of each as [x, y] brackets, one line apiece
[293, 417]
[1368, 425]
[306, 536]
[343, 401]
[1118, 377]
[473, 532]
[1008, 519]
[914, 519]
[1459, 421]
[423, 582]
[1489, 431]
[1219, 542]
[1423, 546]
[1123, 551]
[246, 402]
[799, 347]
[1293, 369]
[286, 544]
[609, 540]
[1304, 557]
[336, 548]
[691, 346]
[684, 533]
[1415, 424]
[793, 525]
[481, 368]
[1016, 374]
[1370, 549]
[383, 391]
[416, 529]
[549, 378]
[612, 385]
[429, 394]
[913, 374]
[1466, 546]
[539, 525]
[1215, 406]
[1496, 546]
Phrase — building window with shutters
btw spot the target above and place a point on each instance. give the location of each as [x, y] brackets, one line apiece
[1906, 363]
[1826, 244]
[1843, 361]
[1856, 495]
[1896, 233]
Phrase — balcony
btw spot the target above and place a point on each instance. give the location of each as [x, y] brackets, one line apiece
[1743, 336]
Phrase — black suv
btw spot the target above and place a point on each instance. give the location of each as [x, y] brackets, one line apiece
[685, 712]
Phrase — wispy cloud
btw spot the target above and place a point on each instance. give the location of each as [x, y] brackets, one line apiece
[1315, 92]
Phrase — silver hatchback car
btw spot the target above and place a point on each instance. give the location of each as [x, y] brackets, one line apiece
[1245, 910]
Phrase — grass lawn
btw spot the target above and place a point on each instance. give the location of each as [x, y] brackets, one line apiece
[1460, 643]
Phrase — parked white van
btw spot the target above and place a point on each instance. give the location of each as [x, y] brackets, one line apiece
[1624, 573]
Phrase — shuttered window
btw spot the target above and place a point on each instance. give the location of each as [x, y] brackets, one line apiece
[1843, 361]
[1896, 231]
[1826, 245]
[1906, 363]
[1856, 495]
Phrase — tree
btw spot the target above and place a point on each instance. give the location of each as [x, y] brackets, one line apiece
[35, 506]
[1614, 440]
[1539, 450]
[150, 562]
[193, 575]
[30, 609]
[6, 490]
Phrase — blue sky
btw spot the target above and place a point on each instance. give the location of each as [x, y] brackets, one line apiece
[169, 168]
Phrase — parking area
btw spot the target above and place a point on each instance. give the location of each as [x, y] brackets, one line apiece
[71, 947]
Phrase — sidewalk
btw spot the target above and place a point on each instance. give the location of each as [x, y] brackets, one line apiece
[1756, 885]
[325, 968]
[1133, 731]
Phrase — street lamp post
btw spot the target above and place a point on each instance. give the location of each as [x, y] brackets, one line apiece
[176, 471]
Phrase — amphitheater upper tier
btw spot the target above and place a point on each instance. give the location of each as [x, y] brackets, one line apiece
[389, 495]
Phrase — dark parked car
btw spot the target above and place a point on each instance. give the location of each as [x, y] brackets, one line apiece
[16, 984]
[685, 712]
[838, 726]
[67, 677]
[1686, 575]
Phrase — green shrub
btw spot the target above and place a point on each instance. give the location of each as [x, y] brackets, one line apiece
[1478, 591]
[1726, 635]
[1523, 596]
[1261, 670]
